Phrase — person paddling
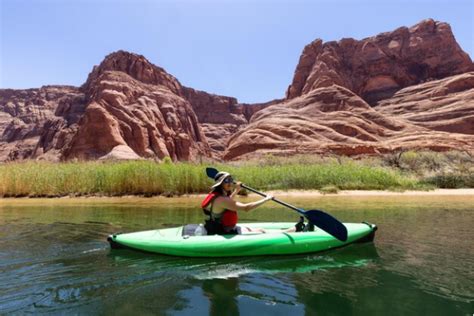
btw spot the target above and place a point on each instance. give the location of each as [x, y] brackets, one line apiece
[223, 209]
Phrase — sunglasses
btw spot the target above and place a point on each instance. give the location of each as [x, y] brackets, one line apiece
[228, 180]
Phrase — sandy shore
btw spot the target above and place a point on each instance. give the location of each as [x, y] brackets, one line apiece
[308, 193]
[291, 194]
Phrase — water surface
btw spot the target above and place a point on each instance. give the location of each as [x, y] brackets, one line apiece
[54, 259]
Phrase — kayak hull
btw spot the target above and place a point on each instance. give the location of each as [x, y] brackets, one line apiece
[275, 241]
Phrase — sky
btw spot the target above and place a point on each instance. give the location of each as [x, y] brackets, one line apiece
[240, 48]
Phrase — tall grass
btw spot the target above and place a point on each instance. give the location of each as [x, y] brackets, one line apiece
[348, 176]
[43, 179]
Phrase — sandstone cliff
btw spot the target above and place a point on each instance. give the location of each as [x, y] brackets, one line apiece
[128, 108]
[376, 67]
[412, 88]
[335, 120]
[407, 89]
[38, 122]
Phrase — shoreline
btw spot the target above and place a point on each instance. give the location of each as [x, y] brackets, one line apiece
[348, 193]
[279, 194]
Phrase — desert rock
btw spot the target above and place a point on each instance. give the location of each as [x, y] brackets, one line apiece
[376, 67]
[334, 120]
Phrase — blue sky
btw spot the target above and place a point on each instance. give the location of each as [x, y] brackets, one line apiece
[245, 49]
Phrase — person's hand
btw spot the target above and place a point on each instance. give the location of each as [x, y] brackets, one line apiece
[238, 186]
[269, 197]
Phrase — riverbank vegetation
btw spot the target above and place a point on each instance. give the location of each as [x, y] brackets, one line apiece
[400, 171]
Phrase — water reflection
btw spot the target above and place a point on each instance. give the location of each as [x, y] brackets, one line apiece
[356, 255]
[222, 296]
[233, 286]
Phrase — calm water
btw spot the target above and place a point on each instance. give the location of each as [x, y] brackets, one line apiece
[54, 259]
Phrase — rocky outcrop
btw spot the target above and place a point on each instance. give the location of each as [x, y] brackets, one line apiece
[407, 89]
[220, 117]
[38, 123]
[441, 105]
[128, 108]
[334, 120]
[376, 67]
[139, 106]
[214, 109]
[137, 67]
[249, 109]
[218, 136]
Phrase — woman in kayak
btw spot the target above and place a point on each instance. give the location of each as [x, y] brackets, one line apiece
[222, 208]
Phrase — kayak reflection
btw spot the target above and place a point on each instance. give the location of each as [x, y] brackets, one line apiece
[231, 286]
[223, 268]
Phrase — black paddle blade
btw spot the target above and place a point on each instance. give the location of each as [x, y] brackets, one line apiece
[211, 172]
[327, 223]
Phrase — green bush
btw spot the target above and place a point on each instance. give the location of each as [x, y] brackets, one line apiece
[451, 181]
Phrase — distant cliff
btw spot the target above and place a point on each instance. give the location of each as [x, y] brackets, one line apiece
[412, 88]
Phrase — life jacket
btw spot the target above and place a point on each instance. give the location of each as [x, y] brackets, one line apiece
[223, 225]
[208, 201]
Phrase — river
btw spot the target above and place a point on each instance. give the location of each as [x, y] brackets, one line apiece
[54, 259]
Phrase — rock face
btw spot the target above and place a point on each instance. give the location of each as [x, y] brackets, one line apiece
[137, 67]
[177, 121]
[220, 116]
[335, 120]
[128, 108]
[376, 67]
[214, 109]
[370, 97]
[38, 123]
[441, 105]
[412, 88]
[133, 103]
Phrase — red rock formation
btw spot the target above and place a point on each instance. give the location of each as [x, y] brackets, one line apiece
[137, 67]
[220, 117]
[334, 120]
[378, 66]
[218, 136]
[35, 121]
[148, 117]
[249, 109]
[441, 105]
[129, 108]
[214, 109]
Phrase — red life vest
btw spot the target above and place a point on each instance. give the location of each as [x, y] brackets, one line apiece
[229, 218]
[209, 199]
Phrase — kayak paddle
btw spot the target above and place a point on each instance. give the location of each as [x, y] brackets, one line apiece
[316, 217]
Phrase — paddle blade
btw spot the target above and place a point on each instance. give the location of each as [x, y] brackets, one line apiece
[211, 172]
[327, 223]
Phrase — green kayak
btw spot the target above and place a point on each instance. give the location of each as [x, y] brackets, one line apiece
[180, 241]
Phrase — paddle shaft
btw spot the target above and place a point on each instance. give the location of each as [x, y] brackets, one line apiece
[273, 199]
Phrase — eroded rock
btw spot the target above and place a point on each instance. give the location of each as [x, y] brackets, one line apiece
[376, 67]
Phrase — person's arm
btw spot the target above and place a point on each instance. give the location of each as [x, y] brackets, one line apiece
[236, 190]
[230, 204]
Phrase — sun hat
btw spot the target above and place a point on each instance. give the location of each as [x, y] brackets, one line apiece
[219, 178]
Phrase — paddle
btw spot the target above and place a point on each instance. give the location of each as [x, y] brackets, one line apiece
[316, 217]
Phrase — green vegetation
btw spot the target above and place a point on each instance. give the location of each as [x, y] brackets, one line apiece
[449, 170]
[401, 171]
[329, 189]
